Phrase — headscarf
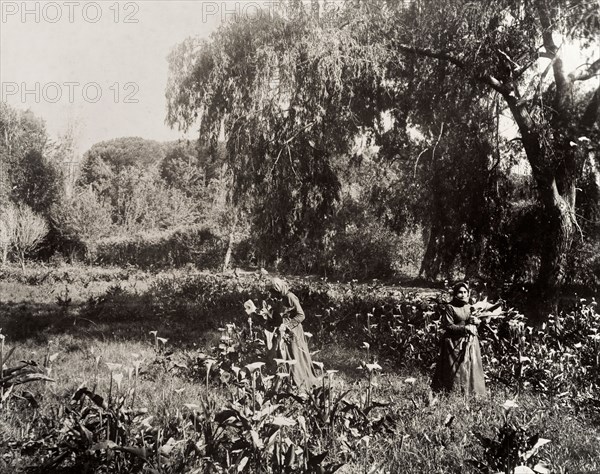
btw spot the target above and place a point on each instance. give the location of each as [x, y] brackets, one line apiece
[280, 286]
[455, 290]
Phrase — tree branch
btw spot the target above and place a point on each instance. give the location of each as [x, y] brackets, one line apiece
[432, 54]
[551, 48]
[444, 56]
[585, 74]
[592, 111]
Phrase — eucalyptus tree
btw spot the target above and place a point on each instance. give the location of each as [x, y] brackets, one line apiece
[516, 49]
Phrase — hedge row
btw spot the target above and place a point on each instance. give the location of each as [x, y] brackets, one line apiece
[174, 248]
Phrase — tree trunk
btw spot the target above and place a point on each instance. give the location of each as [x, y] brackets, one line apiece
[430, 266]
[559, 238]
[594, 198]
[229, 245]
[229, 251]
[559, 204]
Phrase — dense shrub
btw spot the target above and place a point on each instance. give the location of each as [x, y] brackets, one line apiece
[78, 221]
[365, 252]
[173, 248]
[77, 275]
[584, 264]
[21, 232]
[211, 300]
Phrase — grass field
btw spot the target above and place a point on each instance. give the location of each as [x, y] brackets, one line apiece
[92, 328]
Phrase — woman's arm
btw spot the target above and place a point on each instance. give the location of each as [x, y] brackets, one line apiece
[294, 314]
[449, 324]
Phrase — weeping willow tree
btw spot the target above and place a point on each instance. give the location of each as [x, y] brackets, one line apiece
[283, 93]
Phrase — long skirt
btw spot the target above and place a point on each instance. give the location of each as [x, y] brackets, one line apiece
[294, 347]
[459, 366]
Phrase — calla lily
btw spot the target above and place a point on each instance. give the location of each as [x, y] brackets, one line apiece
[118, 378]
[269, 339]
[508, 404]
[112, 367]
[523, 469]
[254, 366]
[286, 361]
[374, 366]
[249, 307]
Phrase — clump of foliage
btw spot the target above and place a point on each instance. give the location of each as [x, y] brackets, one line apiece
[21, 232]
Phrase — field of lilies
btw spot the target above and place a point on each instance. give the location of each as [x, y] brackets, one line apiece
[118, 371]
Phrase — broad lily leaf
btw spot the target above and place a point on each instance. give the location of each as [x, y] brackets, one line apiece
[541, 469]
[283, 421]
[539, 443]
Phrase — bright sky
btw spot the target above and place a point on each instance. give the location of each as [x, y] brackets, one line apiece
[100, 66]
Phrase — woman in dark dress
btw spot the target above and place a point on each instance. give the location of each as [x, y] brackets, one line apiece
[459, 366]
[290, 341]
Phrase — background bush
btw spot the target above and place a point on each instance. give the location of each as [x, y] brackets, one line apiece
[160, 249]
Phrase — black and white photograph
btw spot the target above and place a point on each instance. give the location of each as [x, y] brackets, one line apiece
[299, 236]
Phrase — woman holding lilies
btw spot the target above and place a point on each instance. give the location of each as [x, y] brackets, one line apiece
[459, 366]
[289, 342]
